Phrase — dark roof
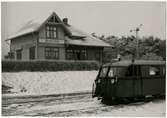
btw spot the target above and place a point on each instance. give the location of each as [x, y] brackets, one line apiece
[126, 63]
[85, 39]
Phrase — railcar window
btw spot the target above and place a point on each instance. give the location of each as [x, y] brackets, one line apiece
[133, 71]
[163, 71]
[111, 72]
[103, 72]
[120, 72]
[129, 71]
[154, 70]
[144, 70]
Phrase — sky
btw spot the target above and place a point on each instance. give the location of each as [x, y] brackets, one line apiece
[103, 18]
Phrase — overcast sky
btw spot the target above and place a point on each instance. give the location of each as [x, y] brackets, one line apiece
[108, 18]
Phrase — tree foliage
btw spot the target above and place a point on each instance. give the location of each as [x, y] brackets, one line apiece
[149, 47]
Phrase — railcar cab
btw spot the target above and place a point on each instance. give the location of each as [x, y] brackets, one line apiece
[129, 79]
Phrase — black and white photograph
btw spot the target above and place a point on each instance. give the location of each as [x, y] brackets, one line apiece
[83, 58]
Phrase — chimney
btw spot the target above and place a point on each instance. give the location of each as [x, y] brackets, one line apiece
[65, 21]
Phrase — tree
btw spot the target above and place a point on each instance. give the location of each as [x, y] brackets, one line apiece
[149, 47]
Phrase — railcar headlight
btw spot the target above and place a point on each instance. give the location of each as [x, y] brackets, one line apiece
[112, 81]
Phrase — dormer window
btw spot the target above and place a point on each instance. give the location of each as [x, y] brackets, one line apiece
[51, 31]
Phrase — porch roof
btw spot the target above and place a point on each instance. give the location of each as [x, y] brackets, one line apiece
[87, 41]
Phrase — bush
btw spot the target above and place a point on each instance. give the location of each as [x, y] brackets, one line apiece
[16, 66]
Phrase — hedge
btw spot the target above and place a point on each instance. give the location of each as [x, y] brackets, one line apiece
[16, 66]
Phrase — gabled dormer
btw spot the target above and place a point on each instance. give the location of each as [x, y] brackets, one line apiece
[53, 28]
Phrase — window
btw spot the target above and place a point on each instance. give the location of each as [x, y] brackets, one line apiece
[11, 55]
[133, 70]
[19, 54]
[163, 70]
[32, 53]
[117, 71]
[103, 72]
[69, 54]
[76, 54]
[111, 72]
[97, 55]
[83, 54]
[153, 70]
[51, 53]
[51, 31]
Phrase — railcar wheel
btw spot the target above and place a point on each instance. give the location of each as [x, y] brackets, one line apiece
[159, 96]
[140, 98]
[110, 101]
[156, 96]
[131, 99]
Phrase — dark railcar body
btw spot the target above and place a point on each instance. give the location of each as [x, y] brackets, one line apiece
[130, 79]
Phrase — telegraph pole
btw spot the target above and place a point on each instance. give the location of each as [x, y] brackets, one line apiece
[136, 30]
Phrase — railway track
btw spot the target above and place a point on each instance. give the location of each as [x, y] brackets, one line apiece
[58, 105]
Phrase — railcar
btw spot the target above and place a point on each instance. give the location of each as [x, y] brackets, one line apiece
[130, 79]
